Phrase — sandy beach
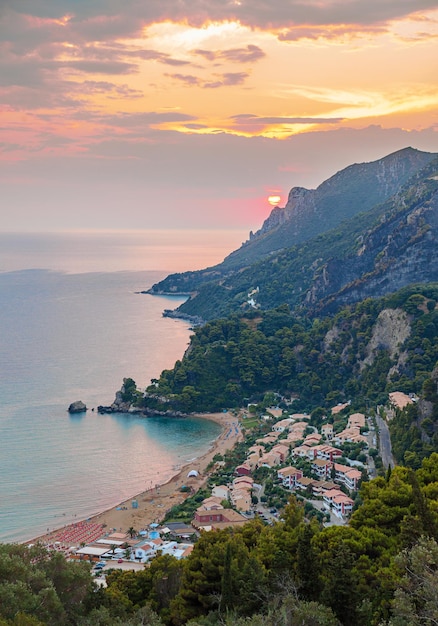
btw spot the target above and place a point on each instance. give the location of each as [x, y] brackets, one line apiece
[154, 503]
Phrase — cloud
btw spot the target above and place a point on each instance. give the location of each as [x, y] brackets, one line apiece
[111, 89]
[223, 80]
[249, 118]
[227, 79]
[332, 32]
[145, 119]
[101, 67]
[250, 54]
[187, 79]
[103, 19]
[195, 126]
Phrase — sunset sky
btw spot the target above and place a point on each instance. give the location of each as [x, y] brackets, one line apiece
[191, 113]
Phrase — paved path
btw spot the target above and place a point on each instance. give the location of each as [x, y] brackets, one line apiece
[385, 449]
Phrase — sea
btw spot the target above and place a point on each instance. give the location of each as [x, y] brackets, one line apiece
[73, 324]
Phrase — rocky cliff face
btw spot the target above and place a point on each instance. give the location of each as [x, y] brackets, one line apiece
[300, 203]
[401, 250]
[390, 331]
[383, 247]
[353, 190]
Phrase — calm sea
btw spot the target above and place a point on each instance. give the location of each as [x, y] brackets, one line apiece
[72, 326]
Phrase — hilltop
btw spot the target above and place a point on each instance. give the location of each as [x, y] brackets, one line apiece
[368, 230]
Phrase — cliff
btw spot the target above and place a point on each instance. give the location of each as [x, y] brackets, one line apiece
[373, 253]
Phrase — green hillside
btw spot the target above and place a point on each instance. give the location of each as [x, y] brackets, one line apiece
[360, 354]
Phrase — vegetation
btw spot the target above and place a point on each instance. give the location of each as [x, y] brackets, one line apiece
[381, 569]
[322, 361]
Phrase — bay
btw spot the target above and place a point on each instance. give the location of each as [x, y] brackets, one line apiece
[72, 327]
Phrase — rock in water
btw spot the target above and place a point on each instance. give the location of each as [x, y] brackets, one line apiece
[77, 407]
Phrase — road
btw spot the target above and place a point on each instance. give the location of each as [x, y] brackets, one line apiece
[385, 444]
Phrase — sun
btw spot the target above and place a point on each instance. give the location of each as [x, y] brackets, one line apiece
[274, 200]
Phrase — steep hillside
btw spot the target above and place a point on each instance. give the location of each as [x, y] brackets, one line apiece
[362, 353]
[375, 253]
[309, 213]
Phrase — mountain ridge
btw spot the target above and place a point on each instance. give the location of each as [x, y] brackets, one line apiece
[336, 266]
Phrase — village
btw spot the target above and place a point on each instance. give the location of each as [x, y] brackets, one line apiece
[321, 466]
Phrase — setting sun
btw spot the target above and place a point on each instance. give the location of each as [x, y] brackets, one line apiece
[274, 200]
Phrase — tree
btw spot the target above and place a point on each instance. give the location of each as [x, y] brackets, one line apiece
[416, 599]
[307, 566]
[340, 587]
[131, 532]
[226, 582]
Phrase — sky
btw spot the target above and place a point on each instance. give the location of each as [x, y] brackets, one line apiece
[152, 114]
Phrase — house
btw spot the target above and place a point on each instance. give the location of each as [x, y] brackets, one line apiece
[274, 411]
[305, 483]
[296, 432]
[282, 425]
[356, 420]
[330, 494]
[303, 452]
[342, 505]
[292, 438]
[212, 503]
[252, 460]
[268, 439]
[347, 476]
[221, 518]
[241, 499]
[256, 449]
[240, 494]
[322, 486]
[282, 450]
[220, 491]
[289, 476]
[207, 516]
[399, 400]
[270, 459]
[243, 482]
[312, 440]
[299, 416]
[339, 407]
[243, 470]
[322, 468]
[326, 452]
[142, 554]
[327, 431]
[351, 435]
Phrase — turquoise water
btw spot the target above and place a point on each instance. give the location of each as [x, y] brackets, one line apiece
[74, 336]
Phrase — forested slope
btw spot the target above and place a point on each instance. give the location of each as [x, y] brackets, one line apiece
[360, 354]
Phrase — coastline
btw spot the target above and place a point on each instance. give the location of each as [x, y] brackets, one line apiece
[154, 503]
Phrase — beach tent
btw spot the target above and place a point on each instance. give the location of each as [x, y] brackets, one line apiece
[192, 473]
